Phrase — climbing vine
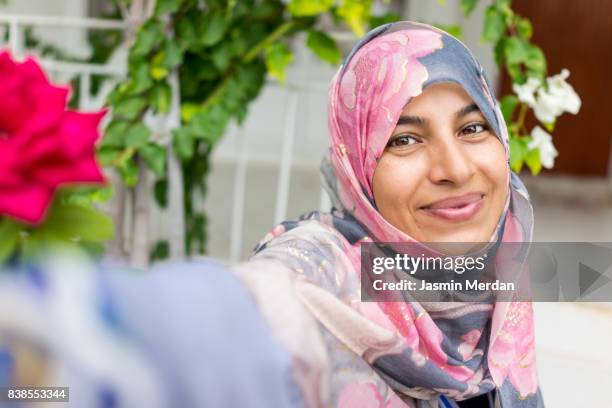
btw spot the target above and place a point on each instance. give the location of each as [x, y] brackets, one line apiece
[221, 52]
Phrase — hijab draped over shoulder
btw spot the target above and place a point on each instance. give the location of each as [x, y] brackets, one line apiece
[305, 274]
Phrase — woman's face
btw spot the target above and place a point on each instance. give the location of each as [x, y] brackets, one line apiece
[443, 174]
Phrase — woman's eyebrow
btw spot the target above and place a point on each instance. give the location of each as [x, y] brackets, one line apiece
[423, 122]
[412, 120]
[467, 110]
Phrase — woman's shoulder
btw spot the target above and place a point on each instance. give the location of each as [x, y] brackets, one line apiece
[336, 227]
[311, 228]
[317, 244]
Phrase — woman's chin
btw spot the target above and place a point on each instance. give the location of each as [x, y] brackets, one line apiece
[461, 237]
[477, 230]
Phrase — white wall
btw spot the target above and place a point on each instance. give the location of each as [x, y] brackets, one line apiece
[71, 40]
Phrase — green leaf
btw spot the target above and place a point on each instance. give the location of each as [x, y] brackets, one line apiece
[158, 70]
[453, 29]
[515, 50]
[212, 28]
[108, 154]
[129, 172]
[115, 132]
[535, 62]
[86, 195]
[390, 17]
[504, 8]
[161, 251]
[200, 68]
[468, 6]
[336, 19]
[161, 97]
[356, 13]
[238, 42]
[518, 151]
[277, 57]
[155, 157]
[494, 25]
[196, 233]
[516, 74]
[234, 94]
[137, 135]
[102, 194]
[501, 4]
[323, 46]
[241, 114]
[75, 222]
[140, 77]
[508, 105]
[498, 50]
[149, 36]
[304, 8]
[158, 73]
[255, 33]
[183, 143]
[209, 124]
[9, 231]
[252, 77]
[532, 159]
[222, 55]
[186, 34]
[78, 197]
[173, 55]
[216, 4]
[130, 108]
[160, 193]
[115, 95]
[267, 10]
[524, 28]
[163, 7]
[188, 110]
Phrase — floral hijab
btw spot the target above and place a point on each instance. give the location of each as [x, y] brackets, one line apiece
[390, 354]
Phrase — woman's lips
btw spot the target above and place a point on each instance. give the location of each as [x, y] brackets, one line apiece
[460, 208]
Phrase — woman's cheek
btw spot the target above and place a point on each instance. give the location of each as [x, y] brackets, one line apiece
[492, 160]
[396, 179]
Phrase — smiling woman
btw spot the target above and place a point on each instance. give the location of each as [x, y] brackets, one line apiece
[419, 154]
[458, 185]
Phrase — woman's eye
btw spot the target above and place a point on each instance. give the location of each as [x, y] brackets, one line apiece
[402, 141]
[474, 128]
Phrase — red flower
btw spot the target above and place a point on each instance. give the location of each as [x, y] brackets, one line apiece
[42, 144]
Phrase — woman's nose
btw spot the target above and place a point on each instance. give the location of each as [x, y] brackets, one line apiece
[451, 163]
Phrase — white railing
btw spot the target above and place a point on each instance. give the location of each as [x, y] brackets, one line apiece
[84, 71]
[285, 164]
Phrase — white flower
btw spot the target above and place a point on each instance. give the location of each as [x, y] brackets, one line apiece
[526, 91]
[543, 142]
[547, 107]
[558, 98]
[558, 86]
